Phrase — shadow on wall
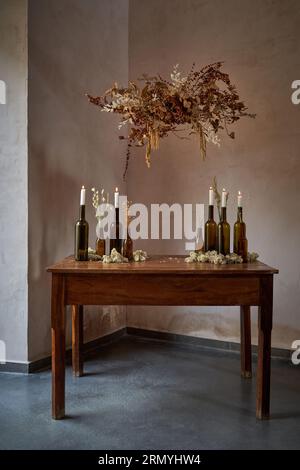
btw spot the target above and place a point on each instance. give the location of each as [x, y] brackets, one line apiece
[50, 238]
[51, 219]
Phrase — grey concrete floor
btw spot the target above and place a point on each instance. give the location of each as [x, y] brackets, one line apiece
[143, 394]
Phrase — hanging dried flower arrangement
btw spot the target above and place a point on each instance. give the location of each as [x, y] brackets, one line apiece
[204, 101]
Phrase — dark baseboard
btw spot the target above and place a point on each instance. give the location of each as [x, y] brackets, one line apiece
[92, 347]
[201, 342]
[89, 348]
[14, 367]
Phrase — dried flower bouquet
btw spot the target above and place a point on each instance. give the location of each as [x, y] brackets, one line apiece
[204, 101]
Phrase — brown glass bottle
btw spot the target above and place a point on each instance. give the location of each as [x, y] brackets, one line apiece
[81, 237]
[240, 243]
[100, 246]
[115, 233]
[210, 231]
[223, 234]
[127, 248]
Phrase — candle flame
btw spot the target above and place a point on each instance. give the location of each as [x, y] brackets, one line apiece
[224, 190]
[210, 188]
[82, 187]
[239, 193]
[117, 189]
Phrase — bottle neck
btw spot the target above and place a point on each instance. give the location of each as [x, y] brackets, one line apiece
[240, 214]
[223, 214]
[82, 213]
[211, 212]
[117, 215]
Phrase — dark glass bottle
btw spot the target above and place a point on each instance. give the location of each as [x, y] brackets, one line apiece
[223, 234]
[210, 231]
[81, 237]
[115, 233]
[127, 248]
[240, 243]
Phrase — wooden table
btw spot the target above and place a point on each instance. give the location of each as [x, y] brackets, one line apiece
[161, 281]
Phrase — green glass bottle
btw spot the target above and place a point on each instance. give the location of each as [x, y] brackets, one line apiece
[210, 231]
[223, 234]
[81, 236]
[240, 243]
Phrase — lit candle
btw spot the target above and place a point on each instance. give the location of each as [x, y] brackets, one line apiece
[82, 196]
[117, 198]
[211, 196]
[224, 194]
[240, 197]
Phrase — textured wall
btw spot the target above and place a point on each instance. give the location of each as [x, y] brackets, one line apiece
[74, 46]
[13, 179]
[259, 41]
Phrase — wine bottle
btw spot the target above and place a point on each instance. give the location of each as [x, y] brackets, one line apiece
[100, 246]
[81, 232]
[210, 230]
[127, 248]
[115, 240]
[223, 228]
[240, 243]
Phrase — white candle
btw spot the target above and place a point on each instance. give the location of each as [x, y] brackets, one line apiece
[211, 196]
[224, 194]
[117, 198]
[239, 198]
[82, 196]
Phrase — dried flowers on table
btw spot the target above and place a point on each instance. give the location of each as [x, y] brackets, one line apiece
[116, 257]
[139, 255]
[216, 258]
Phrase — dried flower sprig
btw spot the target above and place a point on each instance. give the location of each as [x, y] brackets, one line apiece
[97, 201]
[218, 196]
[204, 100]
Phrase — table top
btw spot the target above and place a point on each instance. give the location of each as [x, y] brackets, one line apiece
[159, 265]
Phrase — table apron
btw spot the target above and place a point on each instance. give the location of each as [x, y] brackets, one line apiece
[158, 289]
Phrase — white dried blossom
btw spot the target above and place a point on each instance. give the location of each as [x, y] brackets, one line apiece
[202, 258]
[252, 257]
[106, 259]
[140, 255]
[95, 198]
[176, 78]
[213, 257]
[114, 257]
[210, 134]
[107, 108]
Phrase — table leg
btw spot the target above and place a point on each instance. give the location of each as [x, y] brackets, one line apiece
[265, 314]
[77, 340]
[246, 359]
[58, 346]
